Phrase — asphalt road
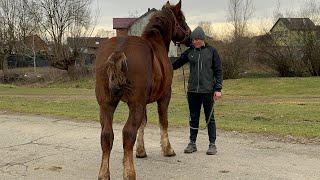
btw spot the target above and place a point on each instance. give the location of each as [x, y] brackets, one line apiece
[34, 147]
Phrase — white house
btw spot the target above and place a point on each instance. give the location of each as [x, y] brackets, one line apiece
[135, 27]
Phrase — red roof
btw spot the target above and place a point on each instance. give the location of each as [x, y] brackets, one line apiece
[122, 23]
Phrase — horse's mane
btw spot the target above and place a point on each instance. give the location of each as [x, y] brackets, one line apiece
[159, 24]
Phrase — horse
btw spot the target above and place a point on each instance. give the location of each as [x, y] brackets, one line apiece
[137, 71]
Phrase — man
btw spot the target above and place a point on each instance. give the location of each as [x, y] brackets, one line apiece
[204, 86]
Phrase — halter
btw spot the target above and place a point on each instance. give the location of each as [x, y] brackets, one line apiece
[178, 26]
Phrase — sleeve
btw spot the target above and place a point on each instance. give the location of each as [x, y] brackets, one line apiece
[181, 60]
[217, 69]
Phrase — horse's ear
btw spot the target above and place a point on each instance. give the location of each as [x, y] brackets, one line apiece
[178, 6]
[167, 5]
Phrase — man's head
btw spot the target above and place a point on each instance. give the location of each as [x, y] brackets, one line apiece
[198, 37]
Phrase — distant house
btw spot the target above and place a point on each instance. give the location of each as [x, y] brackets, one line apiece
[30, 48]
[293, 31]
[121, 25]
[135, 27]
[34, 42]
[318, 32]
[86, 45]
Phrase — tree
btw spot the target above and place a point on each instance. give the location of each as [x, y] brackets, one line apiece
[277, 12]
[59, 18]
[311, 47]
[311, 9]
[104, 33]
[28, 26]
[240, 11]
[8, 20]
[134, 14]
[207, 27]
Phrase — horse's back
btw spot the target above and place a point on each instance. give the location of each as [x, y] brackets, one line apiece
[135, 48]
[126, 44]
[138, 65]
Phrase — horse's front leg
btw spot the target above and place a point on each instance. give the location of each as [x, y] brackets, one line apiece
[129, 133]
[163, 104]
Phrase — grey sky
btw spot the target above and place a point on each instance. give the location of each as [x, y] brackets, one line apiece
[214, 11]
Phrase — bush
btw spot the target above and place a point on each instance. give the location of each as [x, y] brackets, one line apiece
[234, 56]
[289, 61]
[311, 57]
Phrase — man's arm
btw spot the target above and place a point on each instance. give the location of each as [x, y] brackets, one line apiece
[217, 69]
[182, 60]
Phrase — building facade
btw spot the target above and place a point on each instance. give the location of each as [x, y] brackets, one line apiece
[135, 27]
[293, 31]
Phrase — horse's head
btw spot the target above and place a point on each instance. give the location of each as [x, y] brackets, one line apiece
[180, 29]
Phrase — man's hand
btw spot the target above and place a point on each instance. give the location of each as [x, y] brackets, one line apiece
[217, 95]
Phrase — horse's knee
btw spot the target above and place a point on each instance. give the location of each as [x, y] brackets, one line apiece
[107, 137]
[129, 137]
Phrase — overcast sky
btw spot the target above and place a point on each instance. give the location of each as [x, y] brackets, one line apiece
[195, 11]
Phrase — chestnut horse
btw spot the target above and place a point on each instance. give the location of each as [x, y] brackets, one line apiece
[137, 70]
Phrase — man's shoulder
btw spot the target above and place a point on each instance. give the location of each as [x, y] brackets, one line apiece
[211, 47]
[189, 49]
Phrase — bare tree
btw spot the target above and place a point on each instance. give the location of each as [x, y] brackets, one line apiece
[104, 33]
[59, 18]
[277, 12]
[134, 14]
[8, 16]
[311, 44]
[207, 27]
[311, 9]
[28, 26]
[240, 11]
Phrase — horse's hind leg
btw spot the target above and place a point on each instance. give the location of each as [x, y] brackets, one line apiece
[140, 149]
[107, 109]
[129, 134]
[163, 104]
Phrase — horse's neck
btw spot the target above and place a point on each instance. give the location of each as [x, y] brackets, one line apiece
[159, 41]
[156, 36]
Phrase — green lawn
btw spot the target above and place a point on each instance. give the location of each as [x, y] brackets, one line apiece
[279, 106]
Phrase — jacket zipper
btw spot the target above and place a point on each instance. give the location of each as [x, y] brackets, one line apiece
[198, 73]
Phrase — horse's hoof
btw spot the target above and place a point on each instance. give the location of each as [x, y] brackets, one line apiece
[104, 178]
[170, 153]
[141, 155]
[131, 177]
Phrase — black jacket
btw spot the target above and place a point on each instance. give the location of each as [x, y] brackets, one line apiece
[205, 69]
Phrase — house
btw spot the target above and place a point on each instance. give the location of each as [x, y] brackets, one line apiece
[121, 25]
[85, 45]
[293, 31]
[34, 42]
[135, 27]
[29, 50]
[318, 32]
[132, 26]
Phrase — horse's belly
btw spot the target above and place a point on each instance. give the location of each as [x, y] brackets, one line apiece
[162, 80]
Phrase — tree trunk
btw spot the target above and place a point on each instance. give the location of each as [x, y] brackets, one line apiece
[5, 67]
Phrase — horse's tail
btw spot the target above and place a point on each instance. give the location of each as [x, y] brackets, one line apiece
[116, 66]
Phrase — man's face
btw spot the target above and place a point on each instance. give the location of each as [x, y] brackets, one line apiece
[198, 43]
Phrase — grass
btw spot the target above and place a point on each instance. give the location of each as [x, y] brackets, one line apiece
[277, 106]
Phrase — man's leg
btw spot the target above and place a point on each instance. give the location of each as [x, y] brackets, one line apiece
[208, 106]
[194, 102]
